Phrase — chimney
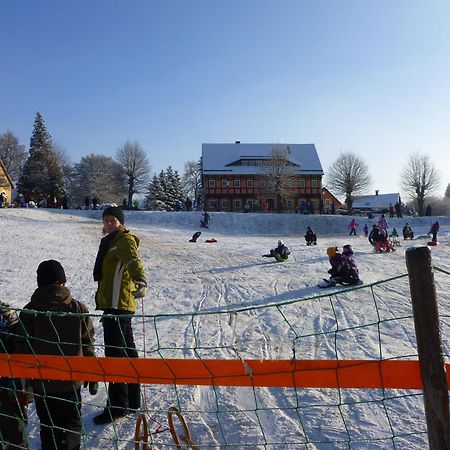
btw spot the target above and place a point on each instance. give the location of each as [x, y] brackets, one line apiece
[237, 142]
[376, 192]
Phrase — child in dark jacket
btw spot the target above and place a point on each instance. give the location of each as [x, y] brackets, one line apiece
[58, 403]
[13, 397]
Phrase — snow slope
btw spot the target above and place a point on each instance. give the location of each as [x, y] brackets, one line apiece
[187, 278]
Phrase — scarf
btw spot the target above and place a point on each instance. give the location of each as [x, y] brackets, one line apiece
[105, 244]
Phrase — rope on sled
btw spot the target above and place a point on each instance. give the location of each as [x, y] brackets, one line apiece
[186, 438]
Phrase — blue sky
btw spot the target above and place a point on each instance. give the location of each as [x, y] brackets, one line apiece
[368, 77]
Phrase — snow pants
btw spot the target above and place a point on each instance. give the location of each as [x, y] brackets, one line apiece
[119, 342]
[60, 419]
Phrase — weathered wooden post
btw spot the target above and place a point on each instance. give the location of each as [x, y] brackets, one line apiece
[429, 346]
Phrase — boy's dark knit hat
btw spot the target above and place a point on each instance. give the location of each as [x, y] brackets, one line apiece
[50, 272]
[116, 212]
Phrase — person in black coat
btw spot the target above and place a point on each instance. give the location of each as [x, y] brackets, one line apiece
[434, 231]
[310, 236]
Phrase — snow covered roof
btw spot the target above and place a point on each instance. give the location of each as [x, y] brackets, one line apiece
[218, 158]
[375, 201]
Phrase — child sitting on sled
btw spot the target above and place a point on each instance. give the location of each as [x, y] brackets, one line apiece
[281, 252]
[343, 268]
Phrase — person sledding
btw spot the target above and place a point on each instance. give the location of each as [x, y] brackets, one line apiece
[407, 232]
[378, 237]
[281, 252]
[195, 236]
[343, 270]
[393, 238]
[434, 231]
[310, 237]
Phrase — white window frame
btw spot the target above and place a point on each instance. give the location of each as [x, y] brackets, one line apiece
[250, 183]
[211, 184]
[237, 183]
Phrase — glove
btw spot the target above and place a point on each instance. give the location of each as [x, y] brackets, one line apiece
[141, 289]
[93, 387]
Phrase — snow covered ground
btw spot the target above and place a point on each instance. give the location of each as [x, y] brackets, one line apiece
[187, 278]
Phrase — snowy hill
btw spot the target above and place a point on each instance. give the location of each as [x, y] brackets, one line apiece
[203, 278]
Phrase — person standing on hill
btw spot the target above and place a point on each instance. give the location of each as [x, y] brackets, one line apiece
[121, 280]
[382, 223]
[352, 225]
[434, 231]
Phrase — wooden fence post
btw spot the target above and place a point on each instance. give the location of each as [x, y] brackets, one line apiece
[429, 346]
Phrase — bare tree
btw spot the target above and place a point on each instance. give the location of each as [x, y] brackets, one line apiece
[420, 179]
[348, 175]
[97, 176]
[192, 179]
[136, 168]
[12, 154]
[280, 172]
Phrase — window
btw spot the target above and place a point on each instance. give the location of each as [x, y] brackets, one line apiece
[237, 203]
[262, 183]
[212, 183]
[290, 204]
[237, 183]
[212, 203]
[224, 183]
[301, 183]
[249, 183]
[313, 183]
[224, 203]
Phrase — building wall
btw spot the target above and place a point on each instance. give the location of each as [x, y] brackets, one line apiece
[240, 193]
[5, 185]
[328, 199]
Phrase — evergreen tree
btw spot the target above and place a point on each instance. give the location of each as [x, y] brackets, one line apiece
[154, 198]
[42, 175]
[163, 190]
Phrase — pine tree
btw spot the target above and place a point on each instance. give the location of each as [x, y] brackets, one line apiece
[176, 188]
[154, 198]
[42, 175]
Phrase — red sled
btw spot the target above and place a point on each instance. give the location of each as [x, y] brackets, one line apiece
[210, 241]
[432, 243]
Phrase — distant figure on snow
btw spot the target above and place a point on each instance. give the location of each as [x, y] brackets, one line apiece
[310, 237]
[382, 223]
[391, 211]
[434, 231]
[352, 225]
[378, 237]
[408, 232]
[204, 223]
[195, 236]
[280, 253]
[366, 230]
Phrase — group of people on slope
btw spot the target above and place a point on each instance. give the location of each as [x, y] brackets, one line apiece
[54, 323]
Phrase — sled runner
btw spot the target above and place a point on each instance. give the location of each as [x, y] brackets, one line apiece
[331, 282]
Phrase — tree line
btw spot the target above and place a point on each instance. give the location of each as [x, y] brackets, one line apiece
[46, 174]
[349, 176]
